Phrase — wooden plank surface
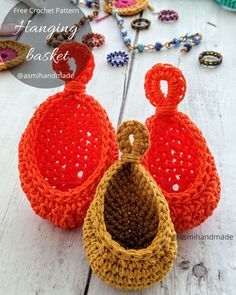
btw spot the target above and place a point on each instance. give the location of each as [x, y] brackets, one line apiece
[37, 258]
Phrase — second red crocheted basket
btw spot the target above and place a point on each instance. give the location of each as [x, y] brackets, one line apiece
[179, 158]
[67, 146]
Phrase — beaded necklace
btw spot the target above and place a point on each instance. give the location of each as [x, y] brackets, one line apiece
[187, 40]
[61, 37]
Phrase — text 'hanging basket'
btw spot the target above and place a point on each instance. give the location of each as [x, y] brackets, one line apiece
[179, 158]
[128, 235]
[67, 146]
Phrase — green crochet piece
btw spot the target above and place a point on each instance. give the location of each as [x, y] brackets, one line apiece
[228, 4]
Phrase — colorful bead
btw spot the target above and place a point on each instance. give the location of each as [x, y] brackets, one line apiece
[118, 58]
[126, 40]
[197, 40]
[123, 32]
[140, 24]
[115, 12]
[210, 58]
[89, 3]
[187, 47]
[140, 47]
[120, 21]
[93, 40]
[176, 42]
[158, 46]
[168, 16]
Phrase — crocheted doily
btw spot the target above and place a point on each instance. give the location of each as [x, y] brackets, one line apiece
[128, 235]
[67, 146]
[12, 53]
[126, 7]
[179, 158]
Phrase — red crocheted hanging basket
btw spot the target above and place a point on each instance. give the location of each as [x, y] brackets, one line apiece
[179, 158]
[67, 146]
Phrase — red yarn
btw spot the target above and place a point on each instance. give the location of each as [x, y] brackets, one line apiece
[179, 159]
[67, 146]
[83, 59]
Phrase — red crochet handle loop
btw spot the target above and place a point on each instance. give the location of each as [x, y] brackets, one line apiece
[176, 87]
[84, 61]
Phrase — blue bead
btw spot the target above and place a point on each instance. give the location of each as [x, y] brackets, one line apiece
[123, 32]
[120, 21]
[140, 47]
[188, 46]
[89, 3]
[176, 42]
[197, 40]
[126, 40]
[158, 46]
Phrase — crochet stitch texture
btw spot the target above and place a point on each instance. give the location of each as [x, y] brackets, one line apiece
[20, 49]
[128, 236]
[67, 146]
[230, 4]
[179, 158]
[126, 7]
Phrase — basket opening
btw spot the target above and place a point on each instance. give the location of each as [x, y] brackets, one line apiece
[68, 144]
[130, 214]
[173, 160]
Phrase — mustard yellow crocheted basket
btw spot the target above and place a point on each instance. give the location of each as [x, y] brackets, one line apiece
[128, 235]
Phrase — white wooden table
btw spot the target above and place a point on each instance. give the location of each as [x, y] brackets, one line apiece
[39, 259]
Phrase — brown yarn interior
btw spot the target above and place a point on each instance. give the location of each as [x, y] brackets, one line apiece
[129, 209]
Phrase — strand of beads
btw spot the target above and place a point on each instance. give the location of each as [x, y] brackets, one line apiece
[188, 41]
[88, 3]
[59, 38]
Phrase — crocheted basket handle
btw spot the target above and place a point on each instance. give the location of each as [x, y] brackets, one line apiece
[133, 152]
[84, 61]
[176, 87]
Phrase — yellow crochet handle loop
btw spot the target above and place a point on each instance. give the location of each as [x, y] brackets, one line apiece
[133, 152]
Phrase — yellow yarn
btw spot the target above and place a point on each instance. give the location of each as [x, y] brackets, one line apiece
[21, 49]
[139, 6]
[128, 235]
